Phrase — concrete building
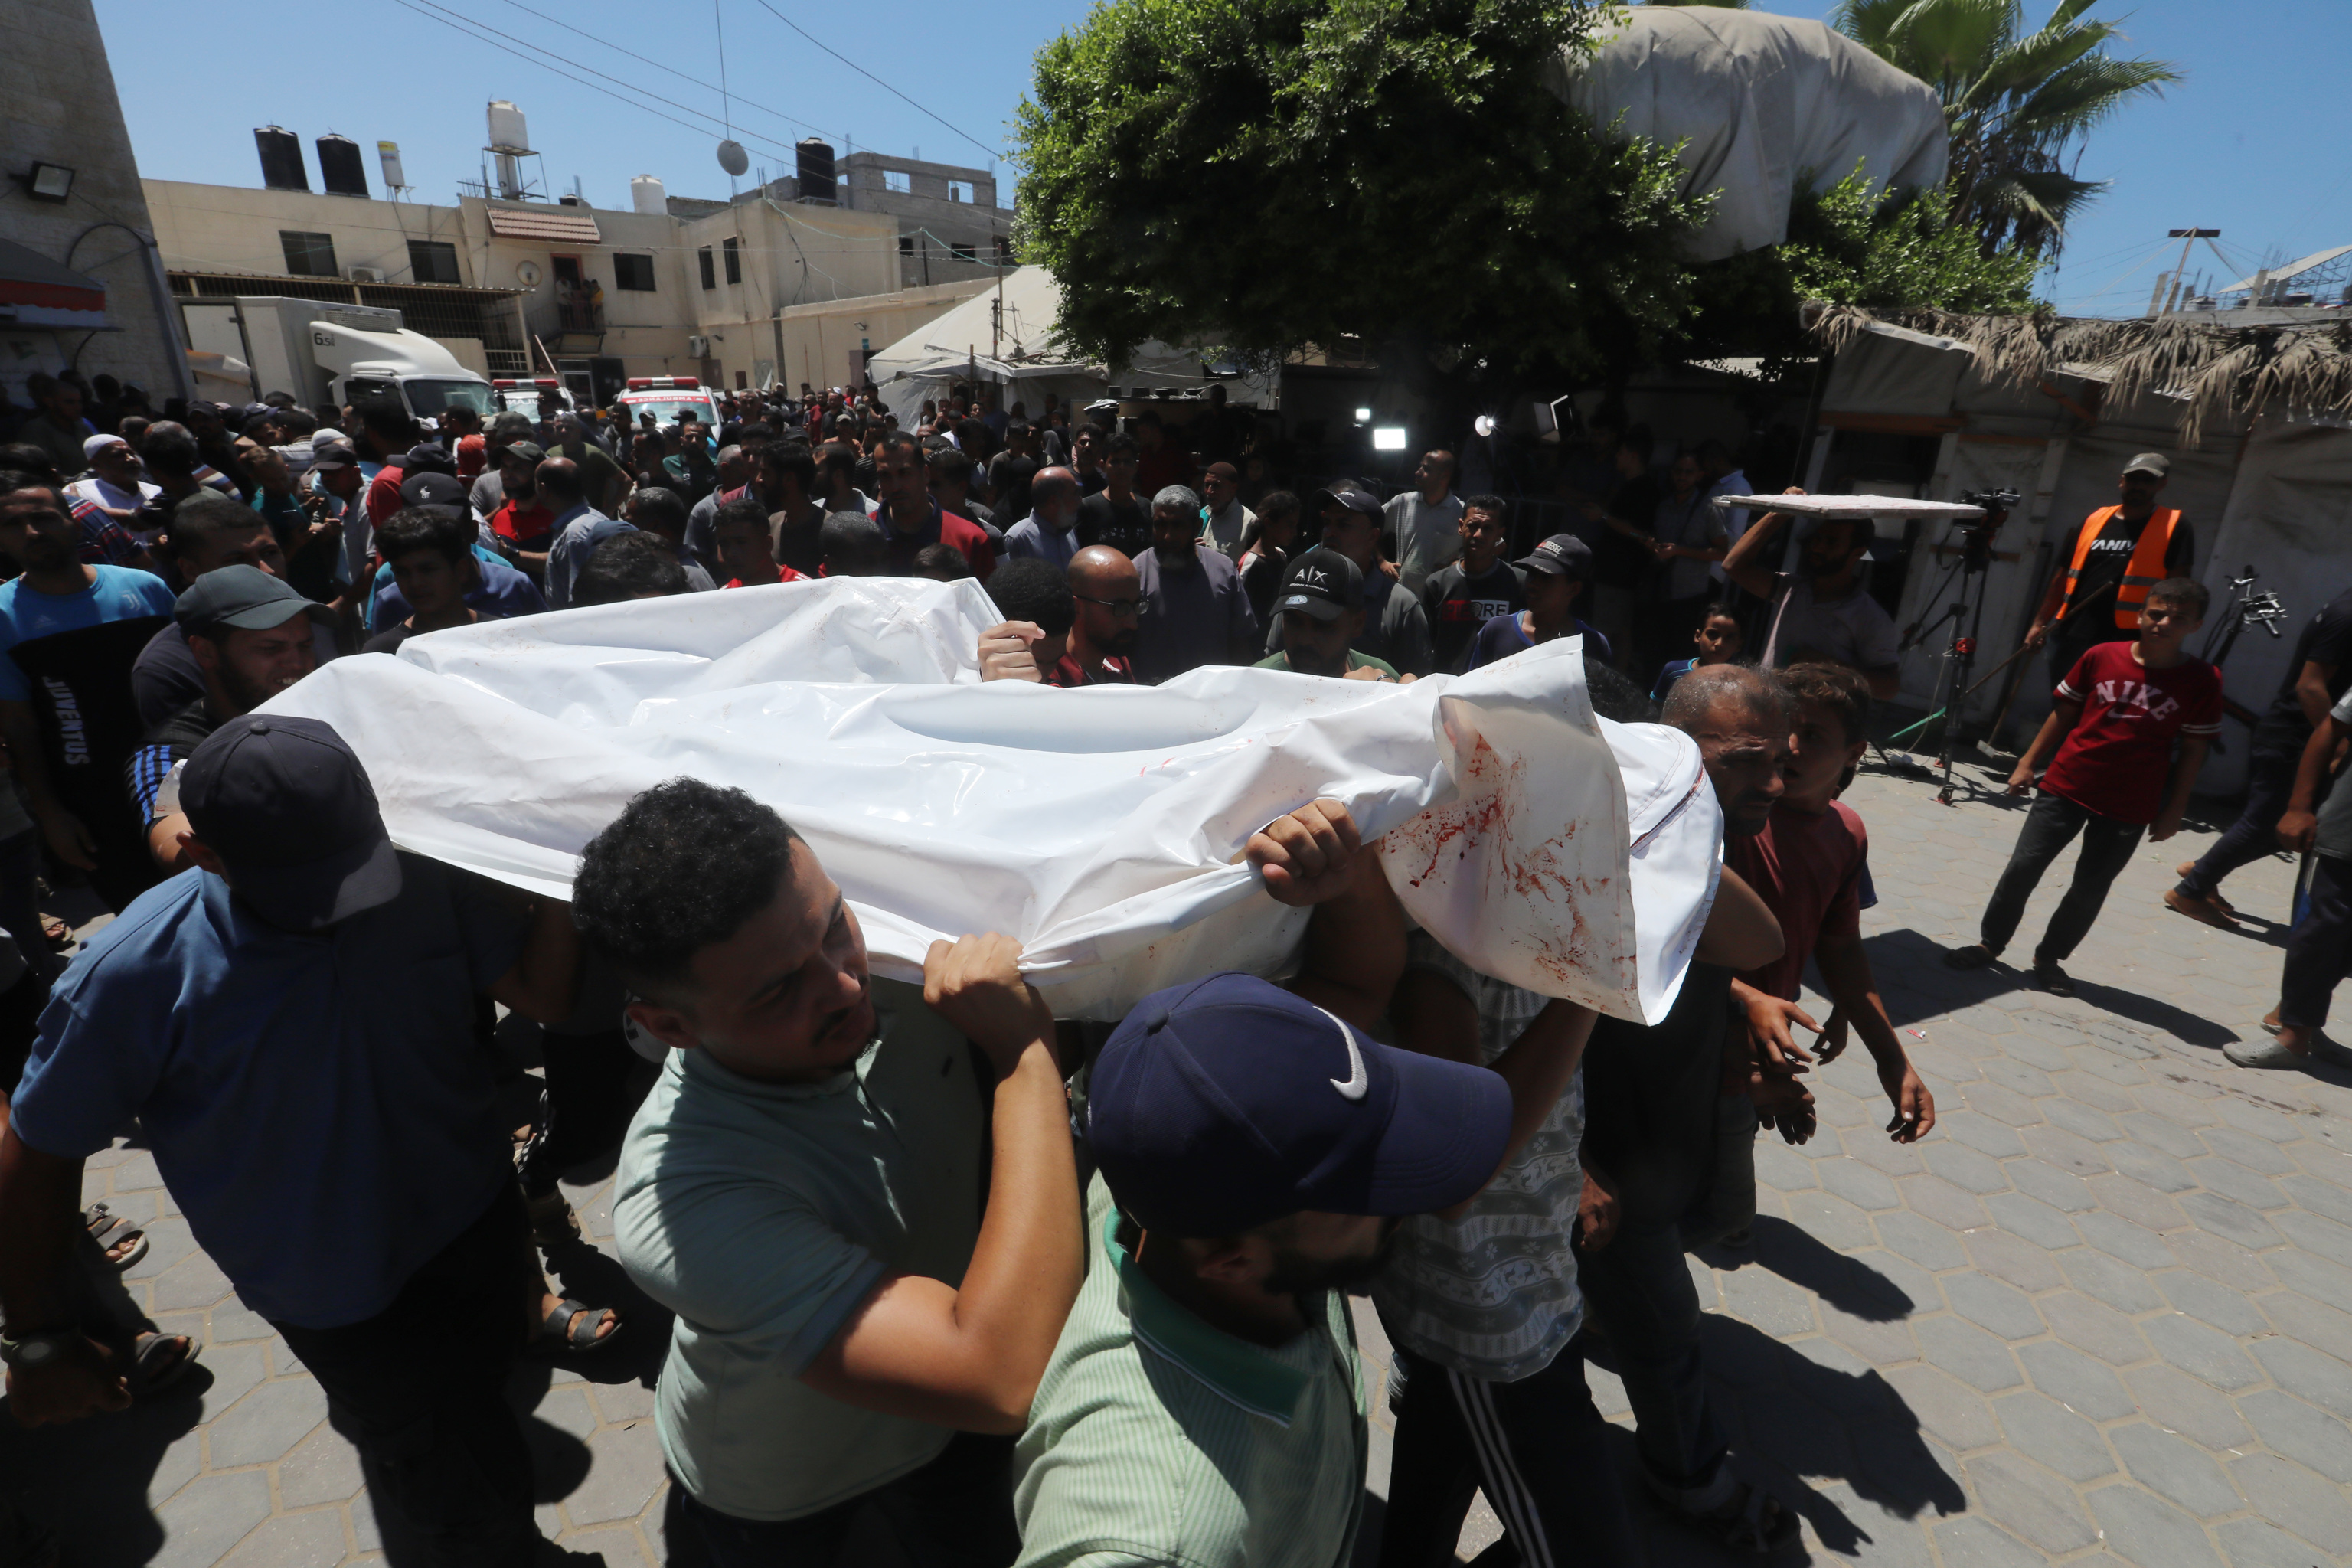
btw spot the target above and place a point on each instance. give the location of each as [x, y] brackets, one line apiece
[735, 292]
[80, 283]
[949, 226]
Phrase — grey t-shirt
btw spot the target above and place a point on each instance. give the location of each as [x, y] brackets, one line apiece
[1427, 536]
[1855, 630]
[1493, 1294]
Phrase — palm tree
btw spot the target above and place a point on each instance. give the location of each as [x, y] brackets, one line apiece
[2017, 104]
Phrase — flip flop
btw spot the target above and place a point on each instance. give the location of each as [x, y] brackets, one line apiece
[111, 1231]
[159, 1361]
[570, 1328]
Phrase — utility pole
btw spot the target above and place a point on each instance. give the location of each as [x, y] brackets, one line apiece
[2158, 303]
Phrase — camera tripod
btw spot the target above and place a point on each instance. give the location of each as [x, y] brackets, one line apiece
[1966, 614]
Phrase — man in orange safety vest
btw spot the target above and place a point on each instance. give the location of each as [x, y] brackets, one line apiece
[2119, 553]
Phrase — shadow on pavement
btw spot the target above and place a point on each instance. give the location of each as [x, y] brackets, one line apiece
[1850, 1285]
[88, 1480]
[1921, 987]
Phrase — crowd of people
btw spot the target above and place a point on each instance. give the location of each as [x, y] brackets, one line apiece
[1033, 1291]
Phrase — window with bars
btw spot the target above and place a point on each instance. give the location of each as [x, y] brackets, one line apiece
[431, 261]
[633, 272]
[309, 255]
[734, 260]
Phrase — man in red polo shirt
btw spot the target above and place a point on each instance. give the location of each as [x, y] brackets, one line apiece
[911, 518]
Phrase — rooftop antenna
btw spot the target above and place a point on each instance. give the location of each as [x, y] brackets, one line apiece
[731, 156]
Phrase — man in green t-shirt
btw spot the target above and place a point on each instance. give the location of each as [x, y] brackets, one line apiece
[1255, 1150]
[1321, 608]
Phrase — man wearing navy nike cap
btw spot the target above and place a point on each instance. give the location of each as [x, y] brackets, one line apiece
[1256, 1152]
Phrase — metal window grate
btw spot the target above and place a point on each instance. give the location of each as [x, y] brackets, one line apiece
[309, 255]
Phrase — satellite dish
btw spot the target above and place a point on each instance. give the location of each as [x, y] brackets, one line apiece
[733, 158]
[527, 273]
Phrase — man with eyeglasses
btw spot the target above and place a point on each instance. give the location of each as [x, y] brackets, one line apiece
[1109, 596]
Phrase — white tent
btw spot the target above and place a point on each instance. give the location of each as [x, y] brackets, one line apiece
[1021, 350]
[1760, 104]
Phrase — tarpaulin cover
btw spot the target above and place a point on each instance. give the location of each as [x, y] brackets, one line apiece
[1764, 106]
[1104, 827]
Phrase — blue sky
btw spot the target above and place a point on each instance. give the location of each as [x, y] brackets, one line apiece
[2253, 143]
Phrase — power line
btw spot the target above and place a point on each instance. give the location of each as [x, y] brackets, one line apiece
[672, 70]
[428, 10]
[870, 75]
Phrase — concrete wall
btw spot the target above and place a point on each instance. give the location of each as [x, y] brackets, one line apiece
[60, 107]
[930, 220]
[233, 228]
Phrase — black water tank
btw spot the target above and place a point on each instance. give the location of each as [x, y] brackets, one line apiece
[340, 172]
[816, 171]
[281, 158]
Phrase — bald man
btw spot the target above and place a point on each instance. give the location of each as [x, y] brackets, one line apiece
[1109, 596]
[1050, 531]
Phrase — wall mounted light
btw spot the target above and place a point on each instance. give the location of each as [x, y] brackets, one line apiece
[49, 182]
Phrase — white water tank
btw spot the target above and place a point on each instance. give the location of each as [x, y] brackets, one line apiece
[646, 196]
[508, 132]
[393, 174]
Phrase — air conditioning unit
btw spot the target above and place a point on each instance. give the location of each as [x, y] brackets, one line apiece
[698, 347]
[367, 274]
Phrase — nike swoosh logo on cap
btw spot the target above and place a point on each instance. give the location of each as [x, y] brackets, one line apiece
[1359, 1081]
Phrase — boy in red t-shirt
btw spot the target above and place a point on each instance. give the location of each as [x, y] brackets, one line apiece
[2118, 712]
[1807, 867]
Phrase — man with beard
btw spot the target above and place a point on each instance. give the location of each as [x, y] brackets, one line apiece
[1654, 1116]
[1194, 610]
[1109, 596]
[251, 635]
[1823, 610]
[1255, 1150]
[208, 534]
[69, 632]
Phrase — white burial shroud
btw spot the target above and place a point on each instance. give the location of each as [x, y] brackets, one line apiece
[1103, 828]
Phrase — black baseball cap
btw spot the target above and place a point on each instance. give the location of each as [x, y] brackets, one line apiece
[244, 598]
[1355, 498]
[1323, 583]
[426, 458]
[1562, 555]
[528, 451]
[290, 811]
[1224, 1103]
[426, 488]
[333, 455]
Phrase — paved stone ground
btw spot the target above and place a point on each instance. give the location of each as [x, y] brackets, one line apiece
[2099, 1317]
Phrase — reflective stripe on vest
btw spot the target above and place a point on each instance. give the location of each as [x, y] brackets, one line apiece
[2142, 572]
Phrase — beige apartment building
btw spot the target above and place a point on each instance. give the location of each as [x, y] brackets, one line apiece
[741, 293]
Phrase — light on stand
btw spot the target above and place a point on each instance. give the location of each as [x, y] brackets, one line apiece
[1388, 438]
[1484, 424]
[1363, 416]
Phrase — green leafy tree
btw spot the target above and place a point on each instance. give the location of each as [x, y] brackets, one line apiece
[2018, 103]
[1266, 174]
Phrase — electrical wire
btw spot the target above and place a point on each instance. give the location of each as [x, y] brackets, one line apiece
[718, 21]
[432, 12]
[876, 80]
[672, 70]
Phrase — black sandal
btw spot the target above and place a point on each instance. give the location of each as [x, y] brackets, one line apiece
[159, 1361]
[1741, 1523]
[570, 1328]
[2052, 979]
[1975, 955]
[103, 1228]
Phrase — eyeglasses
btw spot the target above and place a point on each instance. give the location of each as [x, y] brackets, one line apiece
[1118, 608]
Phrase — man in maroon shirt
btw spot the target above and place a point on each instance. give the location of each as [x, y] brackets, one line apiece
[911, 518]
[2118, 713]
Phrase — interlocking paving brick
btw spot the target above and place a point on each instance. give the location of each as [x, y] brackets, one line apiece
[1999, 1103]
[1991, 1304]
[2171, 1398]
[2081, 1120]
[234, 1370]
[1782, 1168]
[1969, 1541]
[2293, 1499]
[2200, 1349]
[2302, 1433]
[1967, 1167]
[2027, 1082]
[2163, 1135]
[1831, 1220]
[2119, 1285]
[2067, 1150]
[208, 1516]
[2250, 1543]
[2249, 1117]
[2093, 1326]
[1967, 1353]
[313, 1539]
[2125, 1242]
[1922, 1240]
[2144, 1530]
[2046, 1431]
[2076, 1381]
[2315, 1277]
[1942, 1202]
[2060, 1189]
[267, 1423]
[2234, 1182]
[2324, 1198]
[1952, 1410]
[1857, 1183]
[2314, 1234]
[622, 1476]
[323, 1468]
[2012, 1257]
[2032, 1219]
[2321, 1379]
[2032, 1504]
[2175, 1469]
[1871, 1146]
[2210, 1301]
[1772, 1303]
[2323, 1328]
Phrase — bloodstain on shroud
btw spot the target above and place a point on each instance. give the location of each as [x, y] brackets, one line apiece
[1484, 822]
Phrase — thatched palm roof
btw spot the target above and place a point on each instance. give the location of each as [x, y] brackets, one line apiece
[2221, 373]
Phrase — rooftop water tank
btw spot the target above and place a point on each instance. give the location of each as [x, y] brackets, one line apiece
[388, 154]
[508, 132]
[342, 172]
[646, 196]
[815, 170]
[281, 158]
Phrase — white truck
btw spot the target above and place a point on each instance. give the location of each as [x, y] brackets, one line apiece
[329, 354]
